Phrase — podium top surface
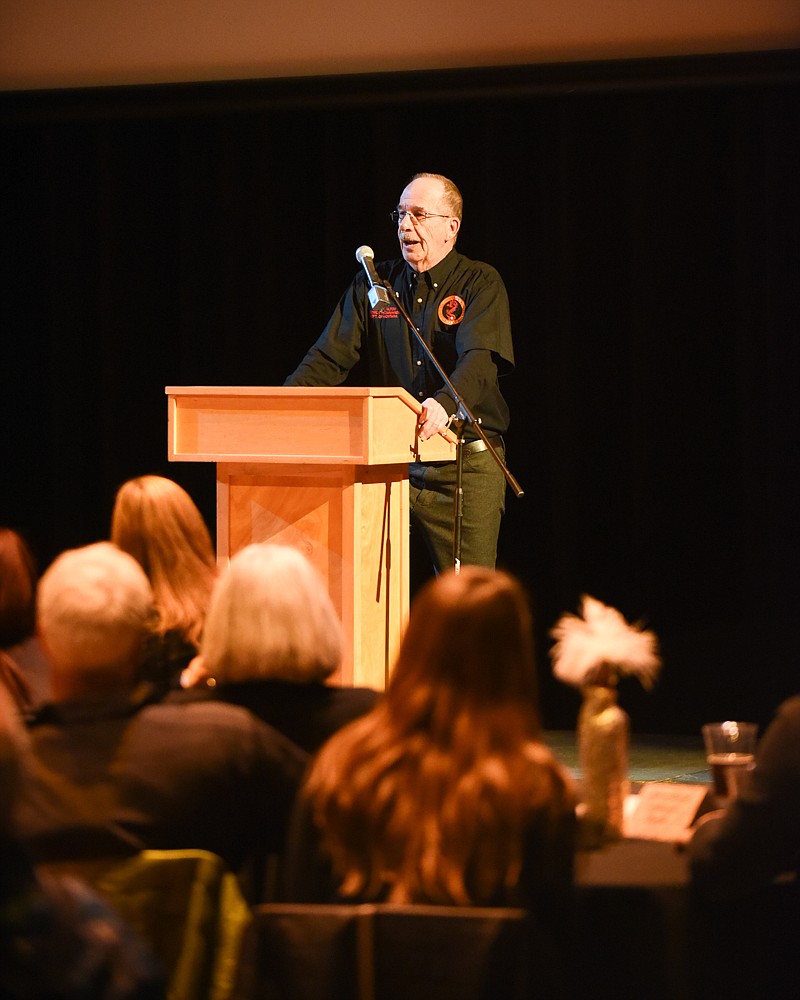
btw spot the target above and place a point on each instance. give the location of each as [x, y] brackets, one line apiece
[295, 391]
[299, 424]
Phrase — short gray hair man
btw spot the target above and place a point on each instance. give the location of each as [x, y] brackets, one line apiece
[94, 609]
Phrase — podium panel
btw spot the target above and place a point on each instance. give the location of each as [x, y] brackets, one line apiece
[326, 471]
[352, 523]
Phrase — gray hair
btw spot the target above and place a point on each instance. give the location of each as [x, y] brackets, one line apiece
[94, 606]
[451, 197]
[271, 617]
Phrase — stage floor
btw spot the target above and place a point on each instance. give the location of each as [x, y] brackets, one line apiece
[651, 758]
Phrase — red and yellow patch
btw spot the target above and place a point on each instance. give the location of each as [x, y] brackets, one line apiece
[451, 310]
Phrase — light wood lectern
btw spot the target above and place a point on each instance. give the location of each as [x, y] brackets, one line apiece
[324, 470]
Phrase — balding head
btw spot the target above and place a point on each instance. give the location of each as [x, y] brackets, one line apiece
[94, 609]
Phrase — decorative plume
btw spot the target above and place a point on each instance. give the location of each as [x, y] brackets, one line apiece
[601, 645]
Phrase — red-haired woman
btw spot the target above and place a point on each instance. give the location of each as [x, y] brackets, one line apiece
[444, 793]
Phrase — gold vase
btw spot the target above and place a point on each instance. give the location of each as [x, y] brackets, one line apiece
[603, 736]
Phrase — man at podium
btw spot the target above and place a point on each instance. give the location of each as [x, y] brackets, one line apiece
[460, 308]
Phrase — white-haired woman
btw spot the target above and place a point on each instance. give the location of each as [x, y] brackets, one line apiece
[271, 642]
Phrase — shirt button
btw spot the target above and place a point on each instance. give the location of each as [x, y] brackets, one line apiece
[419, 363]
[419, 301]
[420, 395]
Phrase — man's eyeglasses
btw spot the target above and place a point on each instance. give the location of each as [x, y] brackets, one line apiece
[400, 213]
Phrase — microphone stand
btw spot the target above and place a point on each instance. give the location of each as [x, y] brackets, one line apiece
[462, 417]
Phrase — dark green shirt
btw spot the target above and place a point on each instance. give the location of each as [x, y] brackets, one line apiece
[460, 307]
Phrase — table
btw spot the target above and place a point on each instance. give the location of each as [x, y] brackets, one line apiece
[641, 933]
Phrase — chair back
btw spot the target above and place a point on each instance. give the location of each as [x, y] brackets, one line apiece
[384, 952]
[185, 904]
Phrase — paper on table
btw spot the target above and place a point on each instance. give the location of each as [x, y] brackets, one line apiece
[663, 811]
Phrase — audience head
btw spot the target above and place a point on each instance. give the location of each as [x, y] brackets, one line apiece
[157, 522]
[17, 589]
[467, 650]
[94, 611]
[271, 618]
[429, 796]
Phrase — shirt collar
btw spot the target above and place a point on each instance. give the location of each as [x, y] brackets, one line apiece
[435, 276]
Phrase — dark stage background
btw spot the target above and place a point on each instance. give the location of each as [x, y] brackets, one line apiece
[645, 217]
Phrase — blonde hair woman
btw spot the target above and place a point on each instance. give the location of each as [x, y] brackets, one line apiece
[444, 793]
[157, 522]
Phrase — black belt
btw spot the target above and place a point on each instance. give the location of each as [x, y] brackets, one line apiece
[480, 445]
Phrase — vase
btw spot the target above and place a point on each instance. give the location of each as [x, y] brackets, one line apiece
[603, 736]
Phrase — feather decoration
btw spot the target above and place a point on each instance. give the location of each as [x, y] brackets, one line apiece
[601, 644]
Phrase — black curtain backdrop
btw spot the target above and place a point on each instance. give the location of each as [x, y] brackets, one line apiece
[645, 217]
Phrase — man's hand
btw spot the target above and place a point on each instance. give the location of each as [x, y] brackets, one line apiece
[432, 420]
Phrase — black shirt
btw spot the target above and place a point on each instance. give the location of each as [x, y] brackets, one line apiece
[306, 713]
[115, 774]
[460, 306]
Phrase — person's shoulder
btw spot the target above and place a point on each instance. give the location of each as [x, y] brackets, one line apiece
[543, 760]
[538, 752]
[477, 268]
[346, 693]
[785, 724]
[790, 708]
[216, 729]
[213, 722]
[197, 708]
[476, 278]
[343, 704]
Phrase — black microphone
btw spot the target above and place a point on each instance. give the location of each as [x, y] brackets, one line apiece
[378, 294]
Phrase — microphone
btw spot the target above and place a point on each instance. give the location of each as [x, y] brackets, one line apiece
[378, 295]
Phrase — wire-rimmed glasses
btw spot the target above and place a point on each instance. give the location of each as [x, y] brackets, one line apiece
[398, 214]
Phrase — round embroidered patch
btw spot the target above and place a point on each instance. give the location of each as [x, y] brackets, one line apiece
[451, 310]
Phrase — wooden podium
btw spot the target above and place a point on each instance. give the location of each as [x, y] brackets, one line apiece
[324, 470]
